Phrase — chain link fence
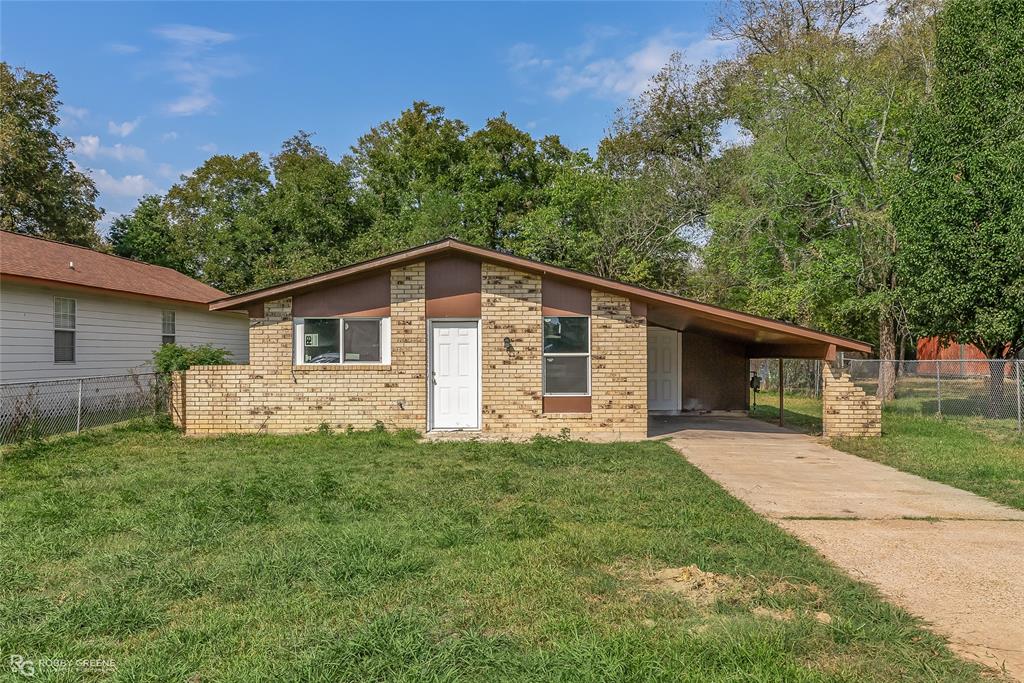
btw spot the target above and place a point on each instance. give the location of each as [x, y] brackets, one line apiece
[37, 409]
[989, 390]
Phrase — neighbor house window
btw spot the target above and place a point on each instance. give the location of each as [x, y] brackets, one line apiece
[167, 327]
[64, 312]
[566, 356]
[334, 341]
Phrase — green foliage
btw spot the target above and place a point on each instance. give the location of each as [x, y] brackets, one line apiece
[960, 209]
[144, 234]
[175, 358]
[41, 191]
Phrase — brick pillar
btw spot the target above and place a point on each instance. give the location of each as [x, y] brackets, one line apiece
[846, 409]
[270, 337]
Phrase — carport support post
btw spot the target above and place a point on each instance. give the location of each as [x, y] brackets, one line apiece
[782, 386]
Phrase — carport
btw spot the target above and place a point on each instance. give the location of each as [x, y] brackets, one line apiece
[698, 363]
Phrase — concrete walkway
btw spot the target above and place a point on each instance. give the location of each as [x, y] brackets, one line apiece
[948, 556]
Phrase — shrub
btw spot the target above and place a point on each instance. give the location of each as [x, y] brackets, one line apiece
[174, 358]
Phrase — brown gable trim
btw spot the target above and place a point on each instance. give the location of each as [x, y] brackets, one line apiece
[560, 297]
[453, 287]
[519, 263]
[368, 296]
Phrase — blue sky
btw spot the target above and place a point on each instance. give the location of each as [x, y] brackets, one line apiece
[150, 90]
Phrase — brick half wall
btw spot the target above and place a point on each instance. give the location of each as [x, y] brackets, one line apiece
[847, 411]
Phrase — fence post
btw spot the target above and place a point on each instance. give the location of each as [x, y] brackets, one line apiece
[938, 387]
[78, 422]
[1016, 368]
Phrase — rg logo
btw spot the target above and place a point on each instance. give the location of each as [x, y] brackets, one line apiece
[20, 665]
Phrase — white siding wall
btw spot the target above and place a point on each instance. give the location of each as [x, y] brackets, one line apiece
[114, 335]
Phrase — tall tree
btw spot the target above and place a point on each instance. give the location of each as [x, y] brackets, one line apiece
[311, 210]
[214, 216]
[804, 219]
[41, 191]
[960, 208]
[144, 234]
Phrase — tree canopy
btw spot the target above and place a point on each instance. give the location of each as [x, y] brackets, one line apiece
[42, 193]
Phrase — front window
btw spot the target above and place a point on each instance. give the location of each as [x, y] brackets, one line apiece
[566, 356]
[333, 341]
[64, 323]
[167, 327]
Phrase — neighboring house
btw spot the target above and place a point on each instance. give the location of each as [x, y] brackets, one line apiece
[450, 336]
[67, 311]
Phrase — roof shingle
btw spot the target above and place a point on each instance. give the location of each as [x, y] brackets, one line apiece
[57, 262]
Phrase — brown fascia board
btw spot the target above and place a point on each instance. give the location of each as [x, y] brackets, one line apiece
[632, 291]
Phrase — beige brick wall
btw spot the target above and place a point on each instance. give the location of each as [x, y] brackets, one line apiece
[512, 393]
[273, 395]
[846, 409]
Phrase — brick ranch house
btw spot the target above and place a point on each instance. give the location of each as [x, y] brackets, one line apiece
[450, 336]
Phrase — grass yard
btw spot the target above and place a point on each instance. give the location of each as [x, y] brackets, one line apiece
[372, 556]
[972, 453]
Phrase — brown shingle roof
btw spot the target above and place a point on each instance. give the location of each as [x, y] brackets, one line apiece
[22, 256]
[699, 316]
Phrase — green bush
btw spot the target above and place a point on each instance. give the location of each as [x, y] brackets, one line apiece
[174, 358]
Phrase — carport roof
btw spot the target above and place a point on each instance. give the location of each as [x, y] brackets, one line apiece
[764, 337]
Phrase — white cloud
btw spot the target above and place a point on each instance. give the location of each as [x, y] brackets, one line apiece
[169, 136]
[90, 147]
[73, 113]
[123, 48]
[525, 56]
[123, 129]
[125, 186]
[209, 147]
[582, 69]
[193, 62]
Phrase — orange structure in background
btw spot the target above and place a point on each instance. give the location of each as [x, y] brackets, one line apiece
[972, 360]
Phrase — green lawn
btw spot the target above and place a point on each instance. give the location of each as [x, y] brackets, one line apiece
[972, 453]
[373, 556]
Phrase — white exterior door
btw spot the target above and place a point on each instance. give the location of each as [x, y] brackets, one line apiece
[664, 353]
[455, 374]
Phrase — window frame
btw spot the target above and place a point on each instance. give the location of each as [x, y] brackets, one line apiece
[576, 354]
[299, 325]
[73, 329]
[163, 327]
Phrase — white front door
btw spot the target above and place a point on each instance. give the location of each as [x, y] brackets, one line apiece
[455, 374]
[664, 353]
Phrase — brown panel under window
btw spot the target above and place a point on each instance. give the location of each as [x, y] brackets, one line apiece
[368, 297]
[561, 298]
[566, 404]
[453, 288]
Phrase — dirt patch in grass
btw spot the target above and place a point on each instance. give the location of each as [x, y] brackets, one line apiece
[706, 588]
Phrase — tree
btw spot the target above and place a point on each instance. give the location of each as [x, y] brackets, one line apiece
[803, 220]
[960, 205]
[214, 217]
[409, 172]
[41, 191]
[144, 234]
[311, 210]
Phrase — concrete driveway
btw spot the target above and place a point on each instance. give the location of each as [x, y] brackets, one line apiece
[948, 556]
